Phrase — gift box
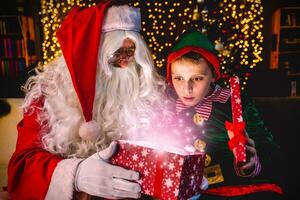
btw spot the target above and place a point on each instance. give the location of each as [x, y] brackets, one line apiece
[165, 174]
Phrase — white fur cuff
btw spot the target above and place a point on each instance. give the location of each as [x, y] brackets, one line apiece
[62, 181]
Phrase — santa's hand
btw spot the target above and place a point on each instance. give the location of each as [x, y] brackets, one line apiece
[97, 177]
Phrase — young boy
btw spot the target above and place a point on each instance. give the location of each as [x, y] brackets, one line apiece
[202, 107]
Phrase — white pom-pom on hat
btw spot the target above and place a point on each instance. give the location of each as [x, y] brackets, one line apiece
[89, 130]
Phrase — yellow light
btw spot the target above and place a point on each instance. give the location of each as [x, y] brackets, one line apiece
[250, 15]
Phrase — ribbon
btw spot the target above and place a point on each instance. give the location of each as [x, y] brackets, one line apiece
[159, 175]
[238, 133]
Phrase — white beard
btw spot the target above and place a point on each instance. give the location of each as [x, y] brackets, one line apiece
[123, 105]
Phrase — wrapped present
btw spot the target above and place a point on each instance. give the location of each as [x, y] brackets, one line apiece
[165, 174]
[236, 129]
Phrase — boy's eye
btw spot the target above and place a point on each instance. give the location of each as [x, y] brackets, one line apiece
[197, 79]
[178, 78]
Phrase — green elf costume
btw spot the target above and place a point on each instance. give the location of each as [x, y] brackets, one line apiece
[204, 126]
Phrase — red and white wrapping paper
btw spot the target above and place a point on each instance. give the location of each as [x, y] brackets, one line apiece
[236, 130]
[164, 175]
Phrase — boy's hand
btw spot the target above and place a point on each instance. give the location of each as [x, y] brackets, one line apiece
[204, 186]
[251, 154]
[252, 166]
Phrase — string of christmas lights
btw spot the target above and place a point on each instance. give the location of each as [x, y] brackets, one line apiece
[237, 30]
[235, 27]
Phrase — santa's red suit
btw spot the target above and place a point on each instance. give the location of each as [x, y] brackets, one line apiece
[31, 167]
[33, 172]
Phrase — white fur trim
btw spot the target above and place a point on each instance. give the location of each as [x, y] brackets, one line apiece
[122, 18]
[89, 130]
[62, 181]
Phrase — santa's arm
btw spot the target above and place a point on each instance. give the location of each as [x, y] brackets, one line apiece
[32, 169]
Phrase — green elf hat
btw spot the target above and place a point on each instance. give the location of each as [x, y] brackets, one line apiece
[193, 41]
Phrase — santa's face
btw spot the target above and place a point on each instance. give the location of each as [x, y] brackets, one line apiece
[124, 54]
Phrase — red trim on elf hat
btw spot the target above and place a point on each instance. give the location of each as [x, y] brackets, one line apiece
[79, 38]
[210, 57]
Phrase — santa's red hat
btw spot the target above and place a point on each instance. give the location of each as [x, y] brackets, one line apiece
[79, 37]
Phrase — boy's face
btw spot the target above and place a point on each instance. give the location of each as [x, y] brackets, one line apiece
[191, 80]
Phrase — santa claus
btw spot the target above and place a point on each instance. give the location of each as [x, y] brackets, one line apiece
[102, 88]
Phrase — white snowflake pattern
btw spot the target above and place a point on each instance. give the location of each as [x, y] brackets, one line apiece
[144, 153]
[194, 167]
[238, 100]
[146, 172]
[171, 166]
[178, 174]
[147, 192]
[240, 119]
[180, 161]
[199, 160]
[175, 192]
[194, 187]
[141, 164]
[236, 80]
[192, 183]
[168, 182]
[134, 157]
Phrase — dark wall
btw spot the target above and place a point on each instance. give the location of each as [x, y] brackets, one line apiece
[282, 118]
